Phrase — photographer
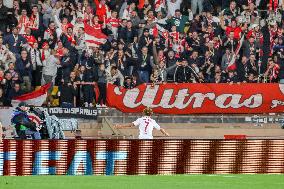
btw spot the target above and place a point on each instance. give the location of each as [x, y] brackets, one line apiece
[24, 126]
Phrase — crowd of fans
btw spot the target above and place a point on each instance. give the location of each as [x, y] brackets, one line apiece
[148, 41]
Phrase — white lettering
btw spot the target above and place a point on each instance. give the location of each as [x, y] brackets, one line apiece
[234, 101]
[184, 99]
[149, 96]
[254, 101]
[198, 99]
[166, 98]
[130, 98]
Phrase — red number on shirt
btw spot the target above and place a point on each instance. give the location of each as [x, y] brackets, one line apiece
[147, 124]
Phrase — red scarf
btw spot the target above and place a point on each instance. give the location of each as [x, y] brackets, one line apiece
[23, 21]
[33, 20]
[42, 55]
[165, 35]
[60, 51]
[30, 39]
[275, 72]
[273, 4]
[71, 39]
[175, 35]
[50, 31]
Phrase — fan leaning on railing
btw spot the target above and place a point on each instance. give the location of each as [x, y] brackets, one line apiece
[50, 127]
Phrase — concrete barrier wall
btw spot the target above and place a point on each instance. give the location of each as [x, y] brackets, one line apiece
[119, 157]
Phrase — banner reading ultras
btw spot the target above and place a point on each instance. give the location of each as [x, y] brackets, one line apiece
[199, 98]
[140, 157]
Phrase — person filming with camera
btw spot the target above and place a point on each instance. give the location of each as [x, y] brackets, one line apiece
[24, 126]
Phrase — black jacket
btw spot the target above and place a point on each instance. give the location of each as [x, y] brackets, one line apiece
[171, 73]
[144, 64]
[143, 43]
[88, 76]
[244, 70]
[183, 74]
[127, 35]
[68, 92]
[281, 71]
[67, 66]
[20, 117]
[3, 17]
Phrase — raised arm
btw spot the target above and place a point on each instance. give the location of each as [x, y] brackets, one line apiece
[171, 67]
[152, 62]
[57, 21]
[121, 79]
[190, 15]
[73, 21]
[164, 132]
[155, 53]
[97, 3]
[222, 23]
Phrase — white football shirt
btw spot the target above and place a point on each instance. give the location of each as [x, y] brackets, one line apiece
[146, 126]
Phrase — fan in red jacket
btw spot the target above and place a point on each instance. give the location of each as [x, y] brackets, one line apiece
[102, 10]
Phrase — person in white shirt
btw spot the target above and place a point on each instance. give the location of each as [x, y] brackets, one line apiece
[173, 5]
[8, 3]
[49, 70]
[145, 124]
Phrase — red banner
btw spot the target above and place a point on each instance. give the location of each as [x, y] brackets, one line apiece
[35, 98]
[199, 98]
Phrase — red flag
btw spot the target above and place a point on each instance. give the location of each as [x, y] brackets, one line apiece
[159, 4]
[35, 98]
[232, 64]
[94, 37]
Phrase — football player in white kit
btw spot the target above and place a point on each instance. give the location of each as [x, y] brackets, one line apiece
[146, 125]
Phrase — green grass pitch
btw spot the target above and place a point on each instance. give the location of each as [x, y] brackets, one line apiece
[145, 182]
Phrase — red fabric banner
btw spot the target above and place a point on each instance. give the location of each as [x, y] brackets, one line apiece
[199, 98]
[34, 94]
